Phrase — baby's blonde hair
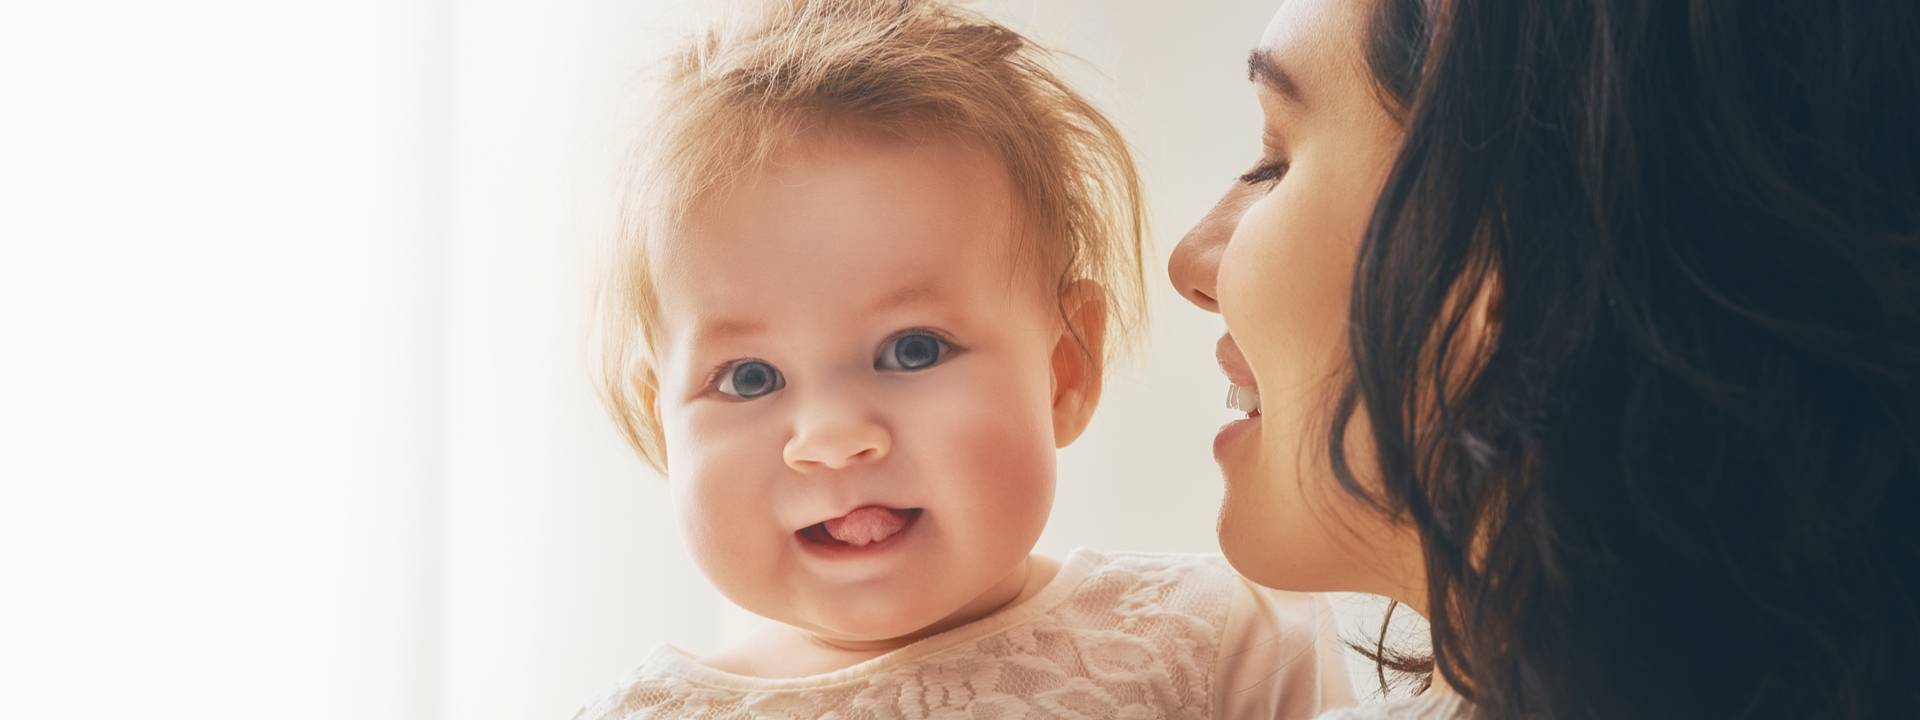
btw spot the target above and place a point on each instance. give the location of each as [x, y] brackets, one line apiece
[901, 68]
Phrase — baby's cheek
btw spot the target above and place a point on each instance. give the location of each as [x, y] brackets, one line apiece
[721, 504]
[1002, 462]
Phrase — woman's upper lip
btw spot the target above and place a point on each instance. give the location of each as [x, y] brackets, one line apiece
[1233, 363]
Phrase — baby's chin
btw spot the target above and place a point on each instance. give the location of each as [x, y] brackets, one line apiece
[894, 612]
[873, 617]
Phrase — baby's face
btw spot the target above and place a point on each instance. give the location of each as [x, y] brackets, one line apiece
[857, 396]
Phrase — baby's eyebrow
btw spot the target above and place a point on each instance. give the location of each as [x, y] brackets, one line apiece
[715, 329]
[726, 329]
[905, 295]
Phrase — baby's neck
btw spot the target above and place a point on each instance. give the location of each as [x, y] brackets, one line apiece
[782, 651]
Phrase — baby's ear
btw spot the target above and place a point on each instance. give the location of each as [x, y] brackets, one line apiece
[650, 393]
[647, 387]
[1078, 359]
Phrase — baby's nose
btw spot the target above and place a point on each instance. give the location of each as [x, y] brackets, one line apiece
[836, 436]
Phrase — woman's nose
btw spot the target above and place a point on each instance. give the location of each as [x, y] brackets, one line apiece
[1194, 266]
[834, 433]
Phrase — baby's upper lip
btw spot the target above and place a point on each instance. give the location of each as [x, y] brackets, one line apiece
[856, 506]
[1232, 363]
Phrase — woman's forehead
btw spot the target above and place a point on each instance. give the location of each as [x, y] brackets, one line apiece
[1308, 46]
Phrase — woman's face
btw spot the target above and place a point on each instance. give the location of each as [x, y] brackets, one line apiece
[1275, 257]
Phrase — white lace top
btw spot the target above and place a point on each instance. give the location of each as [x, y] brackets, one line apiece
[1434, 705]
[1119, 635]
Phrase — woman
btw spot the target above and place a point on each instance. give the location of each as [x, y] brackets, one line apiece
[1590, 331]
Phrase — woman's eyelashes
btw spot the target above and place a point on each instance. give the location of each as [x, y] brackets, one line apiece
[1267, 172]
[911, 351]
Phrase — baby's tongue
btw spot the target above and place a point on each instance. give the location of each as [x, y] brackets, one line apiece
[866, 525]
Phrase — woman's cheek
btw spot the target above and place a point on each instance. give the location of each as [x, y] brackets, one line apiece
[1250, 267]
[1257, 288]
[1284, 286]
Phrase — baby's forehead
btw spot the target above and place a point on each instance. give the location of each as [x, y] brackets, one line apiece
[832, 219]
[828, 287]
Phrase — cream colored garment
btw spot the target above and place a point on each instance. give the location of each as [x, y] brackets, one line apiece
[1120, 635]
[1434, 705]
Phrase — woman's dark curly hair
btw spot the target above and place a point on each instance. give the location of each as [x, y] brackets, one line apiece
[1681, 474]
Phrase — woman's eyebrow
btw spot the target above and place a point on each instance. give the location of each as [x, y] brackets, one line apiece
[1263, 68]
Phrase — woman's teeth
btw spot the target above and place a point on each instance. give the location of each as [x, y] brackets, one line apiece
[1244, 399]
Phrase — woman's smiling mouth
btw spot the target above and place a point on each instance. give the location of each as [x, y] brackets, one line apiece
[1243, 392]
[1245, 399]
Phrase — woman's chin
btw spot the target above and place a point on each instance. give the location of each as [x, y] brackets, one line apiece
[1266, 540]
[1248, 556]
[1257, 563]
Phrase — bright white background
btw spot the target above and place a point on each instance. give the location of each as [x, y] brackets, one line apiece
[295, 419]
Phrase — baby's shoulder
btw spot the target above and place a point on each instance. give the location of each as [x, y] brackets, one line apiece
[644, 693]
[1189, 580]
[1265, 652]
[672, 684]
[1161, 567]
[1165, 604]
[1137, 582]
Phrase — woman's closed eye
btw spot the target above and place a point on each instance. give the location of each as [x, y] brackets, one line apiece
[1266, 172]
[747, 379]
[912, 351]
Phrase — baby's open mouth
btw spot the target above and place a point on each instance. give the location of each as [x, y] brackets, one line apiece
[863, 527]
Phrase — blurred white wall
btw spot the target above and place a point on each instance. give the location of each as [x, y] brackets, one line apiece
[303, 427]
[184, 190]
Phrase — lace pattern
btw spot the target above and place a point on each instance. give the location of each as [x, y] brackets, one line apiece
[1131, 636]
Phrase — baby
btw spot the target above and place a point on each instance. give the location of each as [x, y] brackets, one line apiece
[872, 279]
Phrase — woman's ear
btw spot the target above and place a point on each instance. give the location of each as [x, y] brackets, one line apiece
[1486, 311]
[1480, 331]
[1079, 359]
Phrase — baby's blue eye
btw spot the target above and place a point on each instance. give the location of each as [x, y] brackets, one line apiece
[749, 379]
[912, 351]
